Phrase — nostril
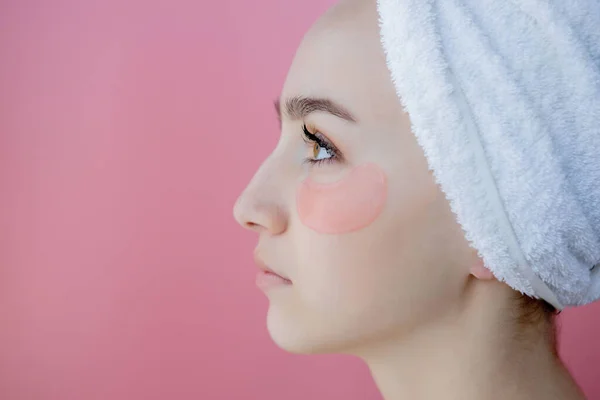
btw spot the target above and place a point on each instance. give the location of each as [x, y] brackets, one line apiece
[259, 215]
[252, 225]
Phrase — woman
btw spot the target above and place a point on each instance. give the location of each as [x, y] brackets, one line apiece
[361, 249]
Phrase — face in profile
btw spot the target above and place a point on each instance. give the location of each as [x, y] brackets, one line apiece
[345, 206]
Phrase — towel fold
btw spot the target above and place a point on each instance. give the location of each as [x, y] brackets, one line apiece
[504, 99]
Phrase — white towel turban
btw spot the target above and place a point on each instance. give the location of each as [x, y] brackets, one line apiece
[504, 99]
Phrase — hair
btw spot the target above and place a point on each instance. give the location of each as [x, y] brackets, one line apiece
[539, 315]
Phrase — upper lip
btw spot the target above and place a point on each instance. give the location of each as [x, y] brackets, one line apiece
[262, 265]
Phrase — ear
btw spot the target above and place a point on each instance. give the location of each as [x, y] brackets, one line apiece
[479, 271]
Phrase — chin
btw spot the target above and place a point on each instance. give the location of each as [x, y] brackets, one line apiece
[289, 335]
[301, 338]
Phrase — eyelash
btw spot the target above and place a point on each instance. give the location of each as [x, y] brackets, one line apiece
[311, 138]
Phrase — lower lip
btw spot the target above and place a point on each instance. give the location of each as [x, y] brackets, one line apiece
[267, 280]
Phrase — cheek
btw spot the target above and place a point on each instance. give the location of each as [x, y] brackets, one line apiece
[344, 206]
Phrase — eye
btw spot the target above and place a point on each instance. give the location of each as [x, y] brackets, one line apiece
[321, 153]
[322, 150]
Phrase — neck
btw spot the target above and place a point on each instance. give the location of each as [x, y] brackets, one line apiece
[472, 352]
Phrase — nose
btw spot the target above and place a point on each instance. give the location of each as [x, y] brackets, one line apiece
[260, 207]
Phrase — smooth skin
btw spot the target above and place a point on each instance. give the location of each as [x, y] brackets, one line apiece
[405, 292]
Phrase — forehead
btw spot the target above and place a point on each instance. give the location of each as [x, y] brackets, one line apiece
[343, 61]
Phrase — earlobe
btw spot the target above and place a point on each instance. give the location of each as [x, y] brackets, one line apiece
[479, 271]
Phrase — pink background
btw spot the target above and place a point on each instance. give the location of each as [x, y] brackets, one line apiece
[127, 129]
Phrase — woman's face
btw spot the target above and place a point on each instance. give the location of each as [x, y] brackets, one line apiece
[350, 214]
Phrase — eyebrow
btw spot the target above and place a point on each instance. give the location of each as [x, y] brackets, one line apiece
[298, 107]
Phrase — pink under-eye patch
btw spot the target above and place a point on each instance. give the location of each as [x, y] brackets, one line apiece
[347, 205]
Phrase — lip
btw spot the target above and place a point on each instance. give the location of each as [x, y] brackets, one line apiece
[266, 278]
